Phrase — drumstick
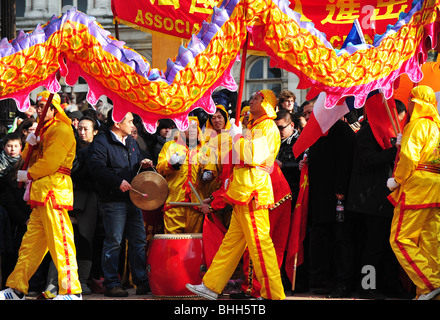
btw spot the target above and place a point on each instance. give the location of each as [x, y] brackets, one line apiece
[142, 194]
[185, 204]
[189, 203]
[195, 192]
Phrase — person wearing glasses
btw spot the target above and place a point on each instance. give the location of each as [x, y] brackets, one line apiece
[285, 158]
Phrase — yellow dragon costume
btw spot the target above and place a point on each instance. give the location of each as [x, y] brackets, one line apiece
[416, 222]
[250, 191]
[51, 196]
[177, 218]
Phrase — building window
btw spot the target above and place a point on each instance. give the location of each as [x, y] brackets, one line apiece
[261, 76]
[81, 5]
[20, 6]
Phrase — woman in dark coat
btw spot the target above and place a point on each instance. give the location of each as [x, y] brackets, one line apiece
[367, 201]
[331, 251]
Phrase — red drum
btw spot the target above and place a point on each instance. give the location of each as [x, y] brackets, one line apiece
[173, 261]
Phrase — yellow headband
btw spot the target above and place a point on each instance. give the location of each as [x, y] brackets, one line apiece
[56, 102]
[269, 102]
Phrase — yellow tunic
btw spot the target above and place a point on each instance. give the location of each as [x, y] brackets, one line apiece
[420, 145]
[217, 156]
[56, 150]
[179, 219]
[189, 171]
[51, 195]
[256, 155]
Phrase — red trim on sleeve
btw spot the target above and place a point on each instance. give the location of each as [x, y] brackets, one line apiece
[238, 136]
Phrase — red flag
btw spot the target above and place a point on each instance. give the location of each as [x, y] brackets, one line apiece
[213, 233]
[310, 134]
[280, 215]
[379, 120]
[298, 226]
[321, 120]
[213, 230]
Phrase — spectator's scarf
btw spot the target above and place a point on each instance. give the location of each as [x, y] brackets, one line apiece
[7, 163]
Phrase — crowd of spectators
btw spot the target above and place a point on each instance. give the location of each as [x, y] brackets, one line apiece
[335, 252]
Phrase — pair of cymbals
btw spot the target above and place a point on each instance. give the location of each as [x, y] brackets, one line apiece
[149, 190]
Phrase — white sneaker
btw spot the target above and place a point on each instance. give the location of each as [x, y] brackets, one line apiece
[429, 295]
[202, 290]
[10, 294]
[68, 297]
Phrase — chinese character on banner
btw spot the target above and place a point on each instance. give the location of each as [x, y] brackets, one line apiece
[177, 18]
[202, 6]
[335, 17]
[180, 18]
[342, 11]
[390, 9]
[174, 3]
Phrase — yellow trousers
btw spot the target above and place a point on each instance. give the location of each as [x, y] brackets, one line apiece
[249, 227]
[182, 219]
[48, 229]
[415, 240]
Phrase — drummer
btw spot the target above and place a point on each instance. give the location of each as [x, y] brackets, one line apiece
[181, 162]
[218, 144]
[114, 160]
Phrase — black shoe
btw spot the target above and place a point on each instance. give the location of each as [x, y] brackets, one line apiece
[320, 291]
[240, 296]
[115, 292]
[143, 290]
[371, 294]
[301, 288]
[32, 293]
[400, 293]
[339, 292]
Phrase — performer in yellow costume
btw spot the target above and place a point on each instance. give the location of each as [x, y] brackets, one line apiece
[51, 196]
[180, 162]
[416, 222]
[217, 123]
[250, 191]
[244, 116]
[217, 146]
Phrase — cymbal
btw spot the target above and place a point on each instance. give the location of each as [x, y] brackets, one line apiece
[150, 190]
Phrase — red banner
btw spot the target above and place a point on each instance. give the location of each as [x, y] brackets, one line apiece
[181, 18]
[335, 17]
[178, 18]
[297, 234]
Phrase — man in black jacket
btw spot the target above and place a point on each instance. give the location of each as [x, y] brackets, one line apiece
[285, 158]
[367, 201]
[114, 161]
[330, 161]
